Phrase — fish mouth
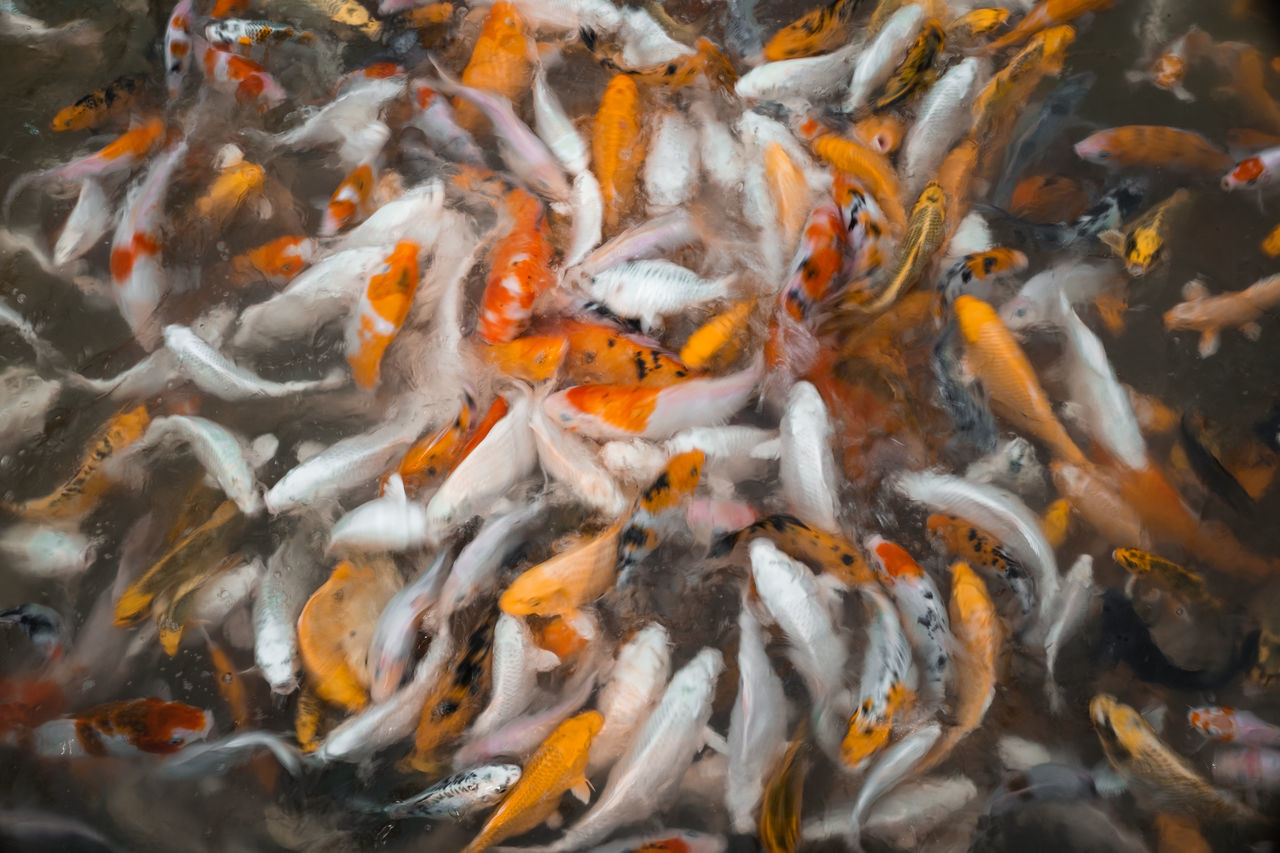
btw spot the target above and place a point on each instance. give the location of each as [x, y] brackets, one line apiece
[1137, 270]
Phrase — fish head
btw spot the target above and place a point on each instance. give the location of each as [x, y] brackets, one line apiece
[153, 725]
[1097, 148]
[1216, 722]
[1121, 729]
[1143, 251]
[866, 736]
[351, 196]
[1245, 174]
[1168, 71]
[893, 559]
[1020, 313]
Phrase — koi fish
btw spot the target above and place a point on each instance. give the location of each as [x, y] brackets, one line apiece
[455, 700]
[636, 684]
[1045, 14]
[382, 312]
[101, 105]
[943, 116]
[78, 494]
[925, 620]
[1210, 314]
[177, 46]
[807, 469]
[757, 725]
[922, 241]
[974, 24]
[1048, 198]
[818, 258]
[1043, 56]
[978, 548]
[566, 582]
[1153, 145]
[277, 261]
[718, 342]
[1260, 170]
[558, 766]
[123, 729]
[823, 552]
[1185, 584]
[624, 411]
[464, 793]
[1170, 68]
[1144, 244]
[825, 28]
[519, 271]
[915, 69]
[779, 824]
[617, 147]
[230, 685]
[350, 203]
[1163, 777]
[887, 686]
[438, 122]
[245, 34]
[230, 189]
[996, 358]
[981, 267]
[877, 62]
[896, 764]
[978, 637]
[245, 80]
[867, 169]
[501, 61]
[673, 486]
[1223, 724]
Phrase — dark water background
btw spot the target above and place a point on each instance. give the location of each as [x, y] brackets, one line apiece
[1234, 390]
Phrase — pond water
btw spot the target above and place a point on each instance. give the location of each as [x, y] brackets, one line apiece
[1161, 645]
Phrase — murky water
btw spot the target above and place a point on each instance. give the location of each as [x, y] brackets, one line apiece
[245, 809]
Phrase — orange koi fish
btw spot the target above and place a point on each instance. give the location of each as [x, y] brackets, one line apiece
[229, 8]
[531, 358]
[382, 312]
[1009, 89]
[124, 728]
[336, 626]
[121, 154]
[719, 341]
[956, 178]
[602, 354]
[277, 261]
[561, 585]
[557, 636]
[501, 62]
[1209, 315]
[431, 456]
[1047, 13]
[89, 483]
[995, 357]
[819, 257]
[971, 26]
[819, 31]
[669, 489]
[915, 70]
[519, 272]
[351, 202]
[617, 147]
[559, 765]
[233, 186]
[821, 551]
[780, 806]
[245, 80]
[1048, 198]
[789, 190]
[978, 636]
[869, 169]
[1096, 499]
[1271, 243]
[976, 546]
[1153, 145]
[456, 699]
[1056, 522]
[101, 105]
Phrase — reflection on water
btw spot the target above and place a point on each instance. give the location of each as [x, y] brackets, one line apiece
[1159, 639]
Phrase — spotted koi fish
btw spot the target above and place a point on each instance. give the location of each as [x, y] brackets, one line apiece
[825, 28]
[519, 272]
[245, 80]
[351, 202]
[821, 551]
[177, 46]
[124, 729]
[980, 549]
[382, 311]
[818, 259]
[277, 261]
[456, 700]
[668, 490]
[600, 353]
[101, 105]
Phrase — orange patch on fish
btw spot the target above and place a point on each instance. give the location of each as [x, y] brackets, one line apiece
[716, 343]
[501, 62]
[625, 407]
[519, 271]
[382, 312]
[1048, 198]
[531, 358]
[601, 354]
[432, 455]
[617, 147]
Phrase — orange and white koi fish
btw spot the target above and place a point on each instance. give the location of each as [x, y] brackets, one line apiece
[996, 358]
[1209, 315]
[78, 494]
[1170, 68]
[602, 354]
[1223, 724]
[123, 729]
[1047, 13]
[382, 311]
[559, 765]
[275, 262]
[668, 490]
[819, 31]
[501, 61]
[245, 80]
[519, 272]
[819, 257]
[177, 46]
[924, 618]
[351, 202]
[1260, 170]
[888, 681]
[868, 169]
[235, 184]
[627, 411]
[617, 147]
[100, 105]
[1153, 145]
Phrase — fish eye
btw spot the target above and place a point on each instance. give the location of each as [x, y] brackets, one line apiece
[176, 740]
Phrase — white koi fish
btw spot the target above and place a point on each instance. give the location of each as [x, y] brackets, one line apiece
[757, 725]
[637, 681]
[807, 468]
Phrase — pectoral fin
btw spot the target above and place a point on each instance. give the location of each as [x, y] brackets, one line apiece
[582, 792]
[1252, 331]
[716, 741]
[1113, 240]
[1194, 290]
[1209, 341]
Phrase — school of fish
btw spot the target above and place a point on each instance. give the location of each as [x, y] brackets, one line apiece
[559, 425]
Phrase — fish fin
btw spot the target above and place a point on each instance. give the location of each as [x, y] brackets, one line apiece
[716, 741]
[545, 661]
[1156, 716]
[1180, 92]
[1194, 290]
[1113, 240]
[555, 820]
[1252, 331]
[767, 449]
[1107, 782]
[394, 489]
[263, 449]
[582, 792]
[1136, 76]
[1209, 341]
